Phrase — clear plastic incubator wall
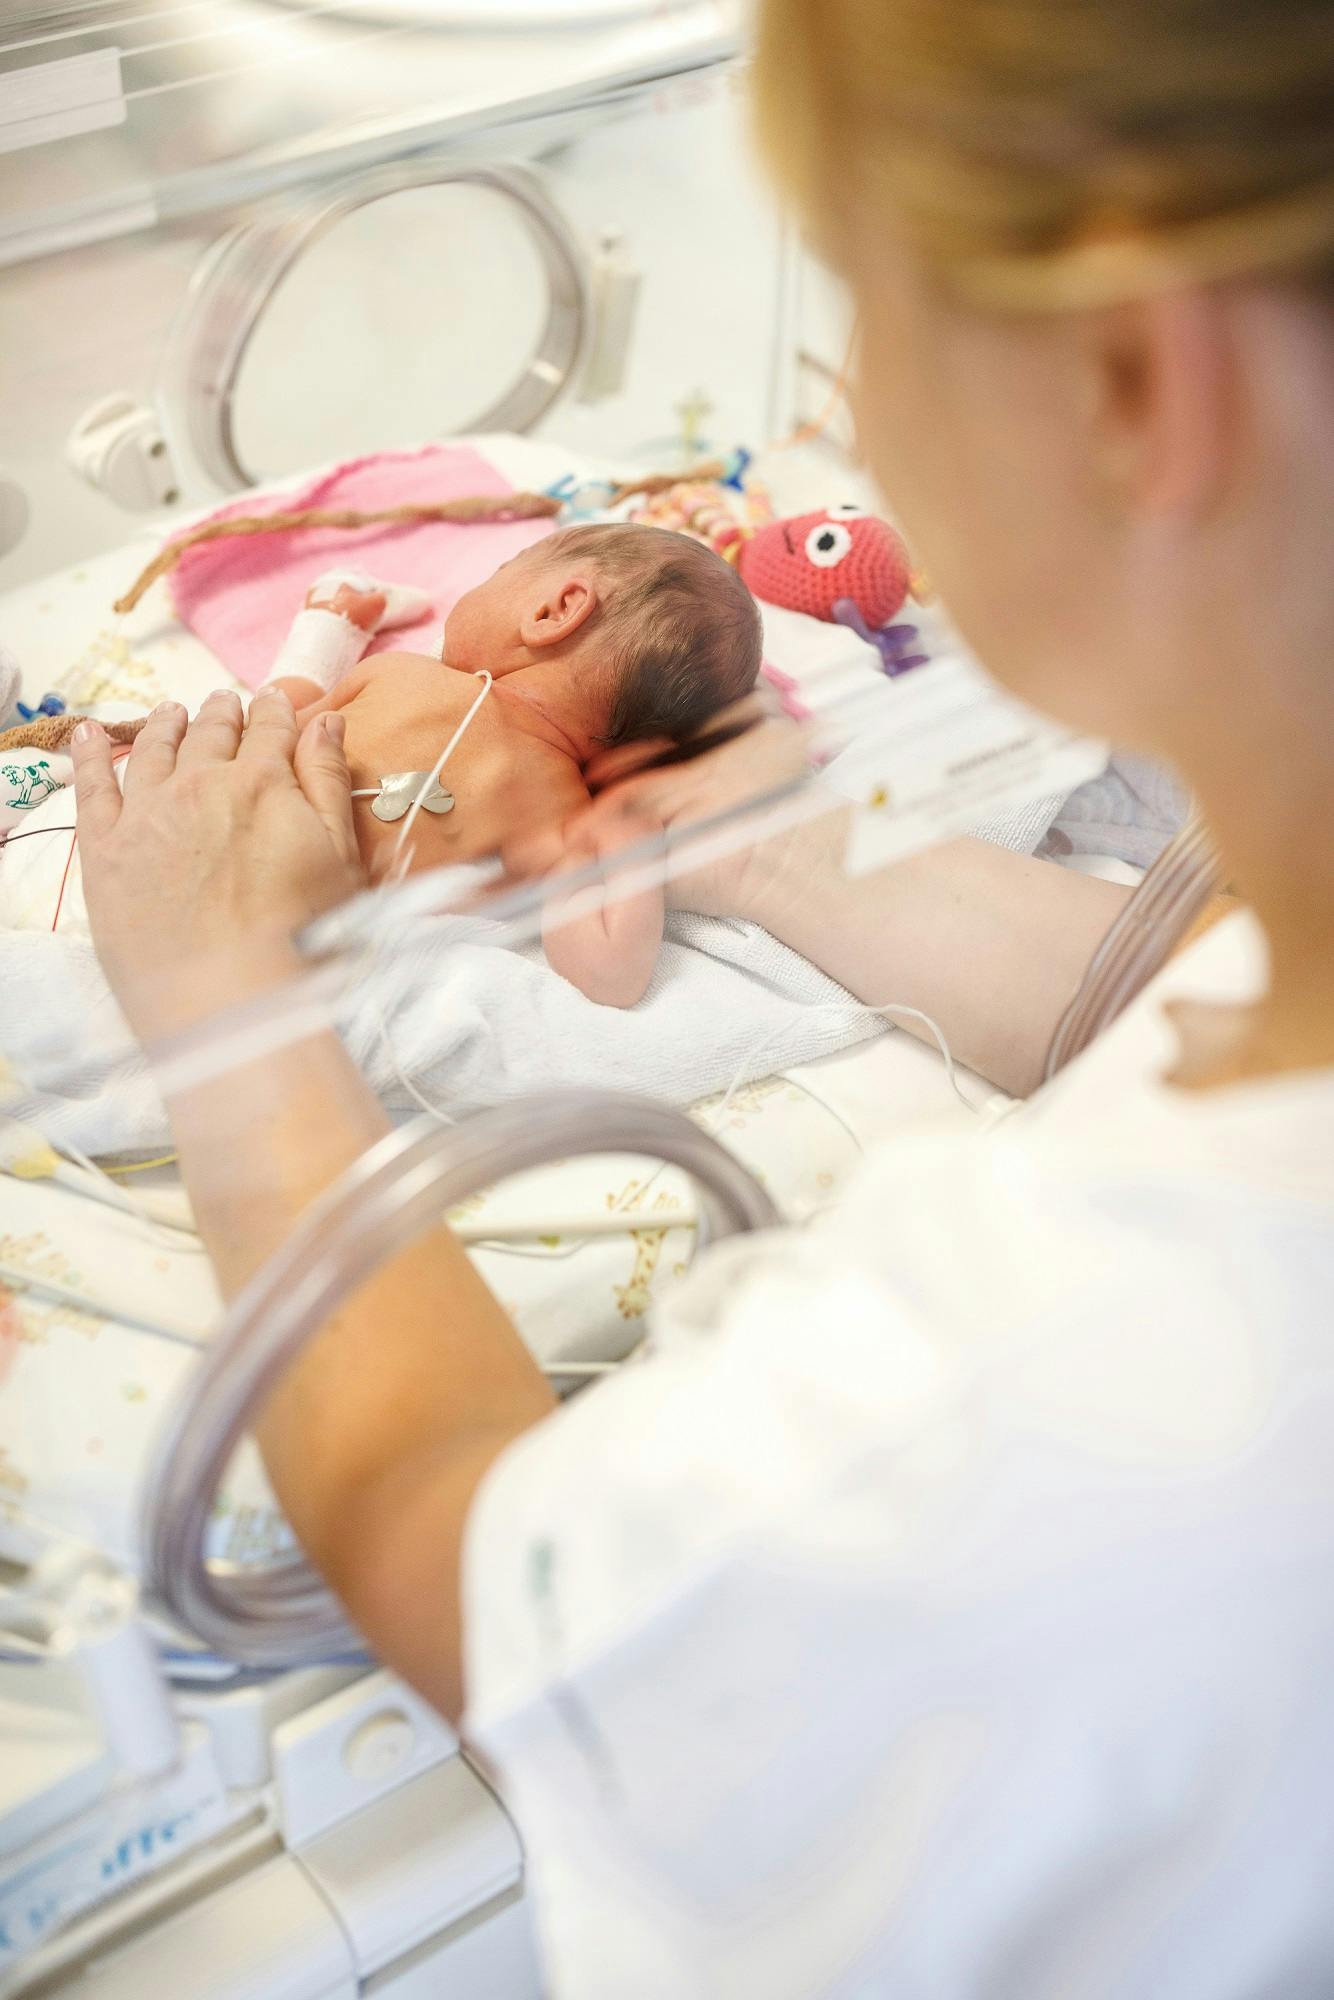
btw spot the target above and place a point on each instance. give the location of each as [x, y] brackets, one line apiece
[467, 272]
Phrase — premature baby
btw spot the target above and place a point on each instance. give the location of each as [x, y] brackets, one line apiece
[595, 637]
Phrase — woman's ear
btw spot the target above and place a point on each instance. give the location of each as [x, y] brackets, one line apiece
[558, 612]
[1161, 402]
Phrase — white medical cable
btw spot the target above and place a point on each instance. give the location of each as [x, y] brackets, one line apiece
[85, 1177]
[885, 1007]
[715, 1112]
[527, 1239]
[440, 762]
[423, 1103]
[373, 791]
[635, 1222]
[600, 1222]
[14, 1278]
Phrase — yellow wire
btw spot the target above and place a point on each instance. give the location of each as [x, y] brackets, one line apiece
[142, 1166]
[837, 394]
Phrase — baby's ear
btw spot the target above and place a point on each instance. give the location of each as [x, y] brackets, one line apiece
[559, 612]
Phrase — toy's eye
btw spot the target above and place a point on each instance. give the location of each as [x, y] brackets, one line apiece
[846, 510]
[827, 544]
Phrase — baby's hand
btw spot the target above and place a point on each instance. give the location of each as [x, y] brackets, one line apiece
[769, 755]
[608, 952]
[362, 608]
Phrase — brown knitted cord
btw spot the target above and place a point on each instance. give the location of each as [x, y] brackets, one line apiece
[504, 507]
[53, 732]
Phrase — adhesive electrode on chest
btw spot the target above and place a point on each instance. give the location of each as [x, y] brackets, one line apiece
[398, 790]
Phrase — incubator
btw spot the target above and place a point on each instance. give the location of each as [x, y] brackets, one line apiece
[312, 260]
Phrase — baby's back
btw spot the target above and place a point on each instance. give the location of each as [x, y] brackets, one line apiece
[401, 709]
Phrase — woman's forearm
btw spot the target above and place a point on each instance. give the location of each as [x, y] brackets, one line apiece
[231, 833]
[377, 1435]
[991, 944]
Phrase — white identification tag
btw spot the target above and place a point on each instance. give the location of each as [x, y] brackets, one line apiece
[938, 751]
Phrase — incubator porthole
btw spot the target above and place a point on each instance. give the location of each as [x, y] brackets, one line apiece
[276, 1611]
[412, 303]
[400, 322]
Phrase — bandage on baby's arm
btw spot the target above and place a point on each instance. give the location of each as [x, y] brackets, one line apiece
[319, 649]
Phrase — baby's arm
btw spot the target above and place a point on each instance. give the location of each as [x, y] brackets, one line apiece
[330, 634]
[302, 694]
[610, 953]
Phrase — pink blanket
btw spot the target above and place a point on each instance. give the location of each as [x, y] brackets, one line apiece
[240, 596]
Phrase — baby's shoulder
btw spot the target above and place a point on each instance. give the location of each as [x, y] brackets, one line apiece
[375, 666]
[410, 681]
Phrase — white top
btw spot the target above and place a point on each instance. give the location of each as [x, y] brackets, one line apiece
[948, 1609]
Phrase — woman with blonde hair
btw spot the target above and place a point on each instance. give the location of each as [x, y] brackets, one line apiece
[945, 1608]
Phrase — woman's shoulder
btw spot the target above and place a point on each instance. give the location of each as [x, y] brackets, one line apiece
[1191, 1180]
[1011, 1338]
[1193, 1245]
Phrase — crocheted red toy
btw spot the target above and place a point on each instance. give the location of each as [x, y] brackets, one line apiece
[840, 564]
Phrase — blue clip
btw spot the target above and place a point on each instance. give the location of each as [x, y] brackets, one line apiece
[582, 499]
[737, 463]
[50, 704]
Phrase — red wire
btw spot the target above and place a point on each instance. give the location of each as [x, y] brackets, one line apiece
[69, 863]
[73, 847]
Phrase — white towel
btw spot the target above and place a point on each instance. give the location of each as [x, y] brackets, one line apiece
[456, 1020]
[467, 1023]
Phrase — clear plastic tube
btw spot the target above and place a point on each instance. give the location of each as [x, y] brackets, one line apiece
[1160, 912]
[283, 1615]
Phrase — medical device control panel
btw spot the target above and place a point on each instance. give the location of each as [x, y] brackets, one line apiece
[321, 1823]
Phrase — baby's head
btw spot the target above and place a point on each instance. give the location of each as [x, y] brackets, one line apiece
[659, 632]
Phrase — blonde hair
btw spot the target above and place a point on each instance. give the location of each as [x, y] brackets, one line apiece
[1057, 153]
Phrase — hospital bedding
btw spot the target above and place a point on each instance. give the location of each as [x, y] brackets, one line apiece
[86, 1382]
[466, 1022]
[452, 1018]
[83, 1387]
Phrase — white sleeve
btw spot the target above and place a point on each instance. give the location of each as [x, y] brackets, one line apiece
[625, 1624]
[818, 1655]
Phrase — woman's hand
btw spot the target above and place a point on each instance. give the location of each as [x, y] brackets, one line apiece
[765, 757]
[229, 836]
